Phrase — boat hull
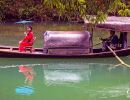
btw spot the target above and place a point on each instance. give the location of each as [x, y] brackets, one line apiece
[12, 52]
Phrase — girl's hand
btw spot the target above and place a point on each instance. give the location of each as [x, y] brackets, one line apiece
[25, 33]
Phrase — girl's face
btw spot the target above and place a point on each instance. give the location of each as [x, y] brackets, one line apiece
[29, 29]
[22, 68]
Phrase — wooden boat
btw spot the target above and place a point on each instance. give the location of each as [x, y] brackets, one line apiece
[12, 52]
[72, 43]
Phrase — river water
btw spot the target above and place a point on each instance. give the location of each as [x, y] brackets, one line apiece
[59, 79]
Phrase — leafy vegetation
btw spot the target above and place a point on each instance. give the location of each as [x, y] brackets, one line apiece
[94, 11]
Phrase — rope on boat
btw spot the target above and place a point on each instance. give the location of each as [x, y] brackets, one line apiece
[118, 58]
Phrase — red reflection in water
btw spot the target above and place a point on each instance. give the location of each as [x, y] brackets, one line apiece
[28, 73]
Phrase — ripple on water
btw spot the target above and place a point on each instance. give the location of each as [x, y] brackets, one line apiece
[122, 90]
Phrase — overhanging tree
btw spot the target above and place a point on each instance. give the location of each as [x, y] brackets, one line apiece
[95, 11]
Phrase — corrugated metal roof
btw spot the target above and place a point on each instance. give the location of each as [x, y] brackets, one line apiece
[116, 23]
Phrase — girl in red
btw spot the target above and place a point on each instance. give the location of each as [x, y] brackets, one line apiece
[27, 40]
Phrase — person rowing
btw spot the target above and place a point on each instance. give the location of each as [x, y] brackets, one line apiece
[111, 41]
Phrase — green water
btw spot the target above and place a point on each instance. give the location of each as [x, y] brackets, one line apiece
[66, 79]
[60, 79]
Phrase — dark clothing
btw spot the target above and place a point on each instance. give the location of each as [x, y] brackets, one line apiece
[123, 40]
[111, 41]
[114, 40]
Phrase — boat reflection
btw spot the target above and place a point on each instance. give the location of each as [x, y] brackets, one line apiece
[64, 73]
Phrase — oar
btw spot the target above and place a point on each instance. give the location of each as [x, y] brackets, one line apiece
[119, 59]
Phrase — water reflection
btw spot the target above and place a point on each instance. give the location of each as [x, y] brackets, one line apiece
[69, 73]
[66, 76]
[93, 81]
[111, 92]
[102, 81]
[29, 73]
[24, 90]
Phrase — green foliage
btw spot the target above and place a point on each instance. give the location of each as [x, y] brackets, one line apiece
[124, 12]
[123, 9]
[2, 7]
[26, 12]
[95, 11]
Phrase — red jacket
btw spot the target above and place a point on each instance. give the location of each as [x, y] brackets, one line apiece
[29, 38]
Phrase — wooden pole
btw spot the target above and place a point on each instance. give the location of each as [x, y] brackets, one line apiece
[119, 59]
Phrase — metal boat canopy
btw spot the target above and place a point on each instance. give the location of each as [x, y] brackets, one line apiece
[121, 24]
[67, 42]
